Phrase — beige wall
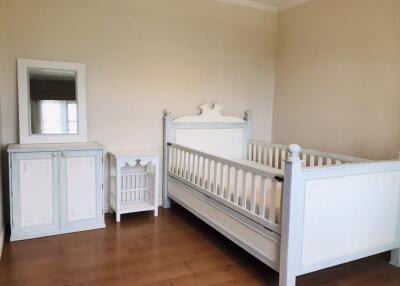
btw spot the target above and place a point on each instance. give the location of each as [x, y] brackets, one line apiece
[144, 56]
[338, 77]
[1, 185]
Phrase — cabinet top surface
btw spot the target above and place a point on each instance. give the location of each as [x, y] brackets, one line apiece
[53, 147]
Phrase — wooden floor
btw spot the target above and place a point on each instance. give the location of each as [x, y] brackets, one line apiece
[173, 249]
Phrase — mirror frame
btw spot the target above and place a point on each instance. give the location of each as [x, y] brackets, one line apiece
[25, 135]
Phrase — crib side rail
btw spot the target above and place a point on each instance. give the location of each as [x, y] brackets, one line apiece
[274, 156]
[250, 191]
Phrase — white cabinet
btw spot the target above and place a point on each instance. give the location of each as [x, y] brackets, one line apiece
[55, 188]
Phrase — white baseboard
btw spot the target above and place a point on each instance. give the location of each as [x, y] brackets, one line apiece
[2, 230]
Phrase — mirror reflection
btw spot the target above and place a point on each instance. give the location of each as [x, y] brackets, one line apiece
[53, 101]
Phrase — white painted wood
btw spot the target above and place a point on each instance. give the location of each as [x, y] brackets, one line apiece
[199, 139]
[168, 136]
[213, 126]
[31, 148]
[245, 187]
[36, 192]
[311, 158]
[209, 113]
[49, 195]
[345, 203]
[81, 188]
[263, 245]
[325, 216]
[290, 248]
[25, 135]
[135, 181]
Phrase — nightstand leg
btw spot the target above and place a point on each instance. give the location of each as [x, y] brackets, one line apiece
[117, 217]
[156, 211]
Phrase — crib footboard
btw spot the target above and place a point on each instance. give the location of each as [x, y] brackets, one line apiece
[333, 215]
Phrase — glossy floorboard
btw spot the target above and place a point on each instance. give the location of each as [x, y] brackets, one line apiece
[173, 249]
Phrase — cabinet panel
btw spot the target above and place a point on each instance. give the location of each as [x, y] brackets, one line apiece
[81, 188]
[35, 193]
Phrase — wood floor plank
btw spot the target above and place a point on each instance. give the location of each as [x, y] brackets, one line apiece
[174, 249]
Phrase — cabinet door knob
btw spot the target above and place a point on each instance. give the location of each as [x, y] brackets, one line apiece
[63, 154]
[53, 155]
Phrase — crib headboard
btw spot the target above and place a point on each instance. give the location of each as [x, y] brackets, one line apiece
[210, 131]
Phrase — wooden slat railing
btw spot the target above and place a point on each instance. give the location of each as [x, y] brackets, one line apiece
[274, 156]
[250, 191]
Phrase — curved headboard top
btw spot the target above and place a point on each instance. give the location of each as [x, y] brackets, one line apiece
[209, 113]
[210, 131]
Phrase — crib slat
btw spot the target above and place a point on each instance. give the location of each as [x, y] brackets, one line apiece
[145, 185]
[203, 182]
[222, 181]
[304, 159]
[282, 159]
[259, 154]
[198, 170]
[188, 166]
[244, 189]
[320, 161]
[249, 151]
[184, 173]
[312, 163]
[173, 160]
[263, 197]
[253, 193]
[272, 204]
[215, 177]
[180, 162]
[276, 163]
[264, 157]
[270, 157]
[228, 184]
[236, 191]
[209, 175]
[191, 171]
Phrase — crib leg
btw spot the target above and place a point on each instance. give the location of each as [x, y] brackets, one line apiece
[117, 217]
[287, 279]
[395, 259]
[167, 203]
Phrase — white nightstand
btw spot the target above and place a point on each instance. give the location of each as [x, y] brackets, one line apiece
[134, 181]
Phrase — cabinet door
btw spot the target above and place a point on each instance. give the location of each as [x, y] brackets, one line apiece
[81, 190]
[34, 194]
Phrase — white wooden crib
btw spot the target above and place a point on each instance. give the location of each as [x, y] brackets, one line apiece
[296, 210]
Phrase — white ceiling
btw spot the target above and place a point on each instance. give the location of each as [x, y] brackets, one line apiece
[269, 5]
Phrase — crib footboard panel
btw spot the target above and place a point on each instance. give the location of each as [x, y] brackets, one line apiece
[254, 238]
[349, 212]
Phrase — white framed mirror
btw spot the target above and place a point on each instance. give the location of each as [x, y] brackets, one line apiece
[52, 101]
